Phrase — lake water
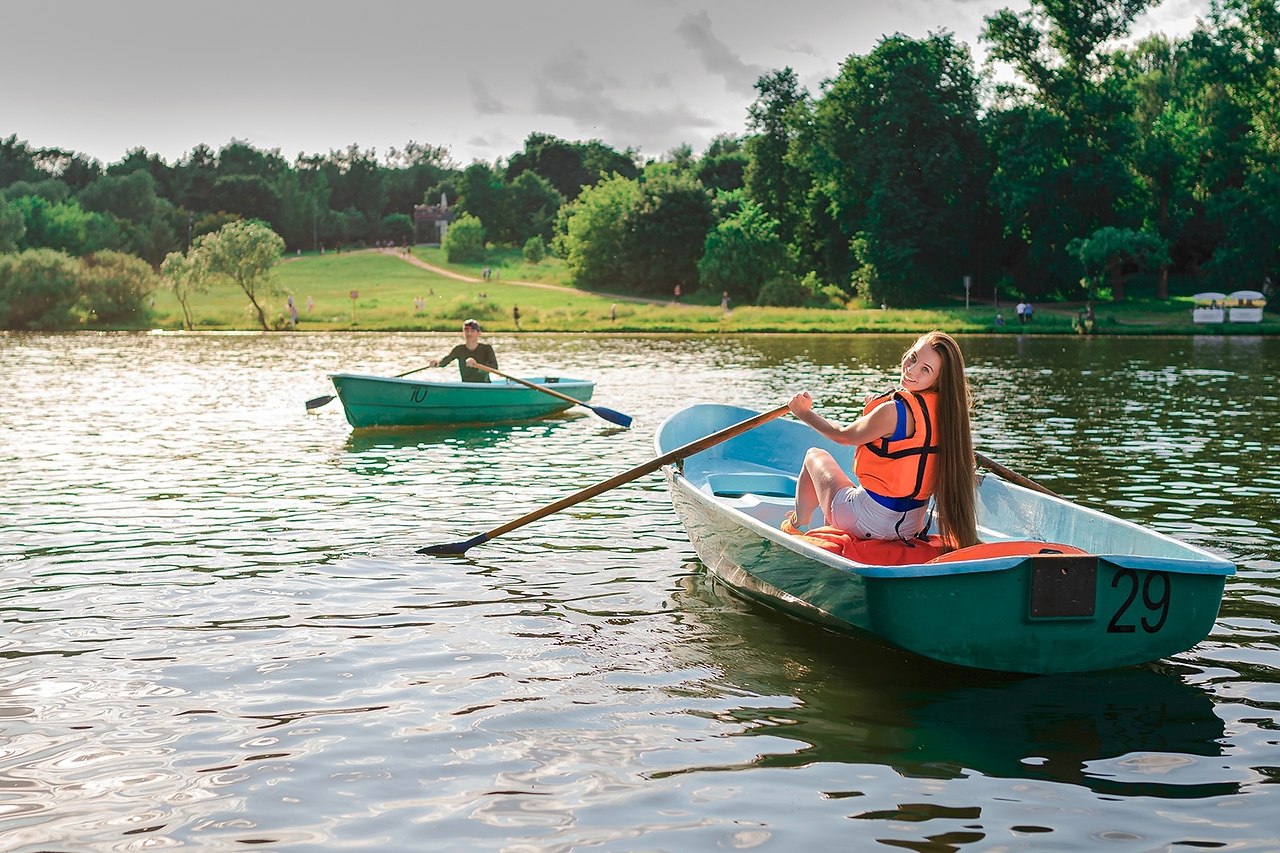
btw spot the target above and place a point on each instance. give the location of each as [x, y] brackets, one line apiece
[216, 633]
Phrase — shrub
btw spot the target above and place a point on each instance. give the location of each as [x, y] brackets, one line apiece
[464, 241]
[114, 288]
[785, 291]
[38, 290]
[534, 249]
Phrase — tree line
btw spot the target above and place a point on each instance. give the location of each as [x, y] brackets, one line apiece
[1058, 170]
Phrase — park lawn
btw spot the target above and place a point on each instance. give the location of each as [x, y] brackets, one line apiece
[387, 287]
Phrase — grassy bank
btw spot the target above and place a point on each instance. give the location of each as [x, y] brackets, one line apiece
[388, 289]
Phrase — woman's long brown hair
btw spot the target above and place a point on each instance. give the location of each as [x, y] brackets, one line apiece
[953, 489]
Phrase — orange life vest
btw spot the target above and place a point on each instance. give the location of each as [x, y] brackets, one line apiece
[903, 468]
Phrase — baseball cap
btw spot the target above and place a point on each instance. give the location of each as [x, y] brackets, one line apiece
[471, 323]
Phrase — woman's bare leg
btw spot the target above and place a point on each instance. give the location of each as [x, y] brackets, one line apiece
[820, 478]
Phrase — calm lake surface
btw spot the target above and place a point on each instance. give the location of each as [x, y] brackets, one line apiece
[216, 634]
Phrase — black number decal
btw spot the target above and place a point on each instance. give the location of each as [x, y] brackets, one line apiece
[1152, 604]
[1114, 626]
[419, 393]
[1161, 604]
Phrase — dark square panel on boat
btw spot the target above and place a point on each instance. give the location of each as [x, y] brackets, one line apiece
[1063, 586]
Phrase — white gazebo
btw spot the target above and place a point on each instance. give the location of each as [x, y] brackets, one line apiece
[1210, 308]
[1245, 306]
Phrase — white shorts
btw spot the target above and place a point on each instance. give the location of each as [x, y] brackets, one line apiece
[858, 514]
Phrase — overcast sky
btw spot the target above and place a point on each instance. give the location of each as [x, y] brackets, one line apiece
[476, 77]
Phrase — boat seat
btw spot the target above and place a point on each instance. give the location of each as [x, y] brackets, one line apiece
[763, 484]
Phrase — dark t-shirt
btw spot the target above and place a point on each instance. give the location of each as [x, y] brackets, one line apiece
[483, 354]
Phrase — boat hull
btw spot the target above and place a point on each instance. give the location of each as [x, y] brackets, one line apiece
[1139, 596]
[375, 401]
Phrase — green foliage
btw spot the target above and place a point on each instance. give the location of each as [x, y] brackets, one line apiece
[246, 253]
[1107, 251]
[665, 232]
[741, 253]
[184, 275]
[771, 176]
[569, 166]
[785, 291]
[113, 289]
[534, 250]
[1064, 148]
[464, 241]
[12, 227]
[38, 290]
[592, 231]
[903, 174]
[397, 227]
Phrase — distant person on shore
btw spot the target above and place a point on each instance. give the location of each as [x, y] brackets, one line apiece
[468, 354]
[1021, 312]
[613, 313]
[677, 293]
[311, 304]
[999, 319]
[724, 301]
[293, 312]
[515, 314]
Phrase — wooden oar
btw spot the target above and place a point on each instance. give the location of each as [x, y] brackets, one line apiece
[608, 414]
[625, 477]
[1011, 476]
[317, 402]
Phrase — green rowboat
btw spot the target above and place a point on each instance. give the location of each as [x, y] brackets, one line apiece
[1114, 594]
[377, 401]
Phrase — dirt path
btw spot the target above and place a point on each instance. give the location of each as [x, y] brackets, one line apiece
[417, 262]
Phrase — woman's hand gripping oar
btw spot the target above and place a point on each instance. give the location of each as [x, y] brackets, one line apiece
[654, 464]
[608, 414]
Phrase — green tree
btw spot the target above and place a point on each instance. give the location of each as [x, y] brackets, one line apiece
[741, 253]
[464, 241]
[1107, 252]
[113, 289]
[723, 166]
[38, 290]
[185, 274]
[570, 166]
[482, 195]
[771, 176]
[534, 250]
[665, 231]
[397, 227]
[246, 253]
[12, 227]
[249, 196]
[592, 229]
[530, 205]
[1064, 146]
[901, 163]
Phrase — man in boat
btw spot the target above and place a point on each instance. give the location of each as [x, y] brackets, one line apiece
[913, 444]
[469, 353]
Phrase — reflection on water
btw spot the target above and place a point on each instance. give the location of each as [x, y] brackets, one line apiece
[854, 701]
[216, 633]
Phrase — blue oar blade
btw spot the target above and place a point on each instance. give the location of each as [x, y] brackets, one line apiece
[612, 416]
[455, 548]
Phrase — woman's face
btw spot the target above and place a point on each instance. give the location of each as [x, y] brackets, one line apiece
[921, 367]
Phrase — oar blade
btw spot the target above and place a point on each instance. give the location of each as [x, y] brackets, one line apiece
[611, 416]
[454, 549]
[317, 402]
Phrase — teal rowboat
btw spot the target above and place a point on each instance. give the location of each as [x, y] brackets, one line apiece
[377, 401]
[1131, 595]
